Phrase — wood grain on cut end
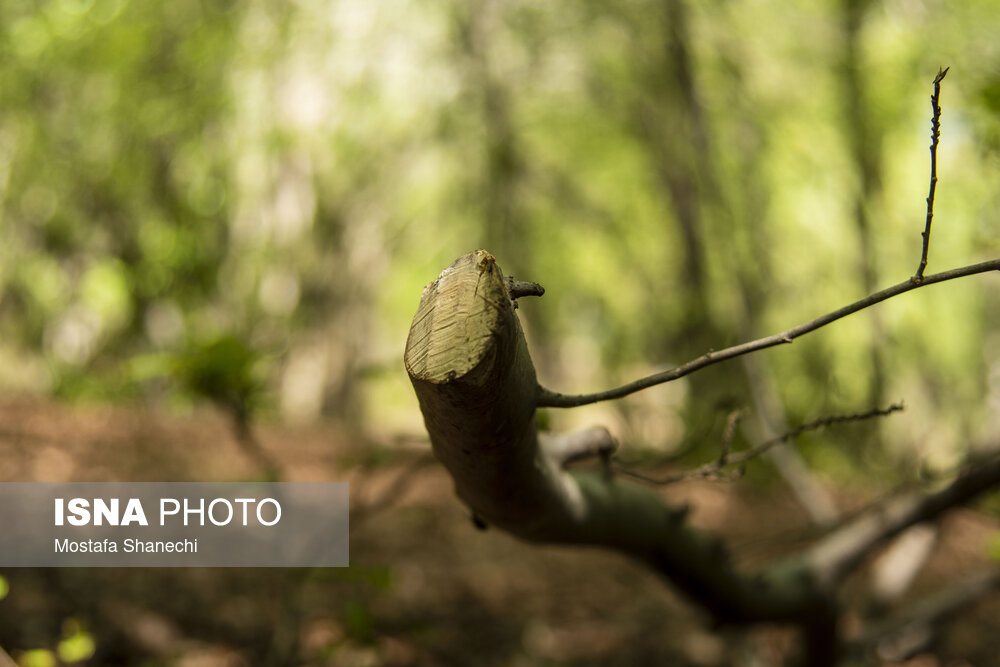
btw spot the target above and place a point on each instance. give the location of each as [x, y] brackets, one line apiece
[452, 331]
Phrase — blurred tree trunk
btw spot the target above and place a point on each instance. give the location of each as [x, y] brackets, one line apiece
[865, 141]
[502, 162]
[504, 169]
[671, 121]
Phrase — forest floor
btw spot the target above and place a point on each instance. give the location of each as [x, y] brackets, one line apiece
[424, 586]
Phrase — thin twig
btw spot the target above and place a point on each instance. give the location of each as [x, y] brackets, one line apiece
[935, 135]
[732, 419]
[551, 399]
[727, 435]
[712, 470]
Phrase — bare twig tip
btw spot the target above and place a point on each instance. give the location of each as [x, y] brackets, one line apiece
[935, 135]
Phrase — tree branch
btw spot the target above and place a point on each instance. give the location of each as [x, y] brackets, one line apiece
[469, 365]
[468, 362]
[836, 555]
[896, 568]
[548, 398]
[897, 638]
[712, 470]
[567, 448]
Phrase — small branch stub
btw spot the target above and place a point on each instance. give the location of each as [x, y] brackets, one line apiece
[519, 288]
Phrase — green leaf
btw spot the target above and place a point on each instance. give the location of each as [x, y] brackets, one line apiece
[77, 644]
[993, 548]
[222, 370]
[39, 657]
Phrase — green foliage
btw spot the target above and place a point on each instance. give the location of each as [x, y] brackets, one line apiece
[377, 577]
[297, 172]
[993, 549]
[77, 645]
[359, 622]
[223, 370]
[38, 657]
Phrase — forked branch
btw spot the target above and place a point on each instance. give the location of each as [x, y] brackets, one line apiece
[469, 364]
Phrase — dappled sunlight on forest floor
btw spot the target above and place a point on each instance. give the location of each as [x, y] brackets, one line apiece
[424, 588]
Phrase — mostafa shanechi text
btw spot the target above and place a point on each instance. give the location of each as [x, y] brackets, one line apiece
[128, 546]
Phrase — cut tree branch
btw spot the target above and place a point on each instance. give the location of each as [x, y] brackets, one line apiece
[469, 364]
[548, 398]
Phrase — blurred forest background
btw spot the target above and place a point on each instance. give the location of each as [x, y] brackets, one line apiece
[281, 179]
[240, 202]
